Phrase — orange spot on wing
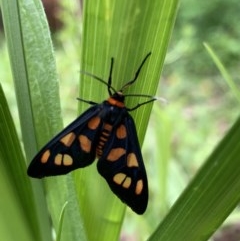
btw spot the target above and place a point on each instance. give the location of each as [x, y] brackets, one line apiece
[68, 139]
[58, 160]
[127, 182]
[132, 160]
[45, 156]
[121, 132]
[119, 177]
[85, 143]
[139, 187]
[94, 123]
[115, 154]
[67, 160]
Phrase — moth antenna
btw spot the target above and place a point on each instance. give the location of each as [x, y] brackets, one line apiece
[99, 79]
[136, 74]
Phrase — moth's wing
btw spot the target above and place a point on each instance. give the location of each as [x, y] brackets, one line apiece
[122, 166]
[72, 148]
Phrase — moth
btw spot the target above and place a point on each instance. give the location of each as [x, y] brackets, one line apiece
[105, 131]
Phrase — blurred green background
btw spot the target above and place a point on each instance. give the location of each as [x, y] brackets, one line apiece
[200, 106]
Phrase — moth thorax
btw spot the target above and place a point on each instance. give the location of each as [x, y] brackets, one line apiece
[117, 99]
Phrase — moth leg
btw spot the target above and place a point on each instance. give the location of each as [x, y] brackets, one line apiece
[87, 101]
[140, 104]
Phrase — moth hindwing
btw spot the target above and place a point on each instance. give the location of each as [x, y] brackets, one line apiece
[106, 131]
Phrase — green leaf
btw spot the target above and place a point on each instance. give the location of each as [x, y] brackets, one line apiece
[224, 72]
[127, 31]
[61, 222]
[14, 35]
[36, 84]
[210, 197]
[16, 200]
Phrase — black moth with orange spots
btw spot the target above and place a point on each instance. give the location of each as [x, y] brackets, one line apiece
[106, 131]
